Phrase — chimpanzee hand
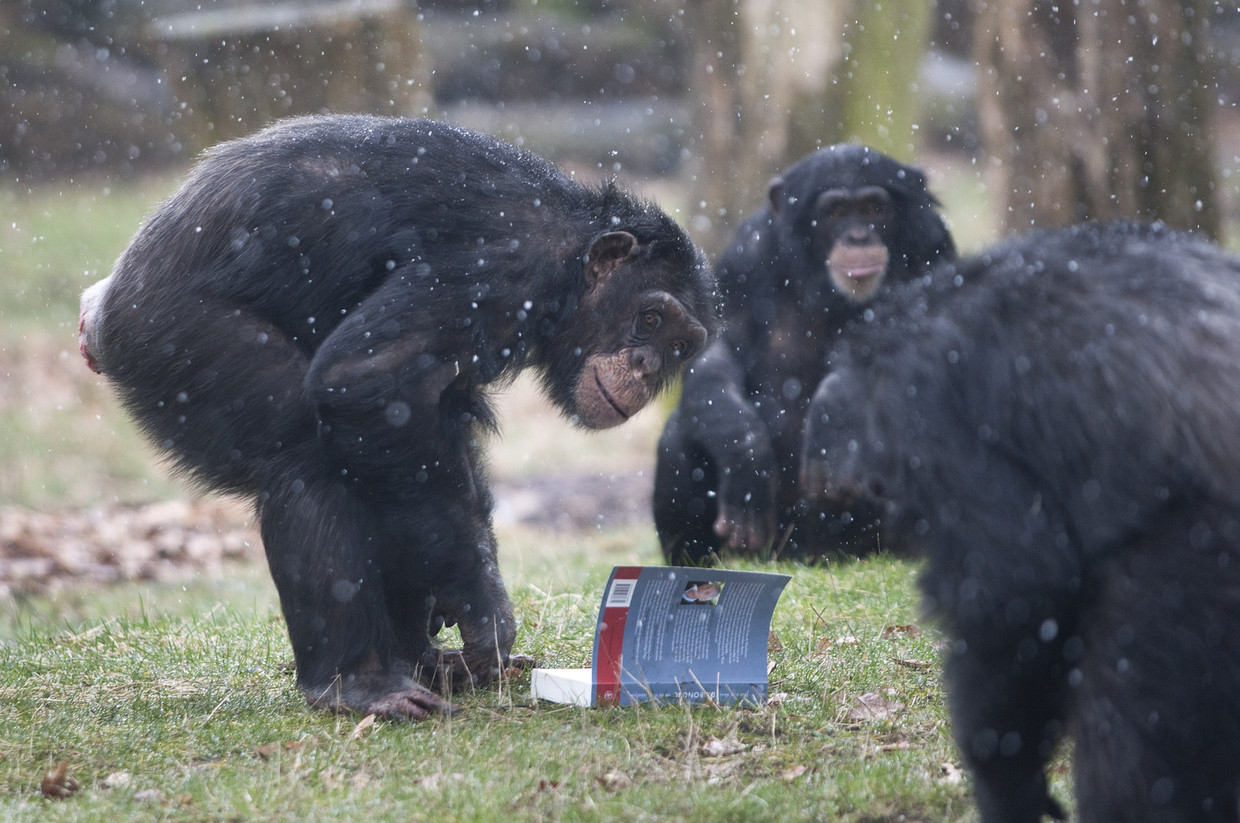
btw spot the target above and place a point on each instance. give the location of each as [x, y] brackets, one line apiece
[447, 670]
[746, 498]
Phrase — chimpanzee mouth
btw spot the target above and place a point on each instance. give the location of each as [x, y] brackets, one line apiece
[601, 390]
[862, 273]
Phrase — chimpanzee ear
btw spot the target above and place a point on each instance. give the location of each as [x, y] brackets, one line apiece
[775, 194]
[607, 253]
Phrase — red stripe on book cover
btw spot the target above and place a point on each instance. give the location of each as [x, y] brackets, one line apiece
[611, 642]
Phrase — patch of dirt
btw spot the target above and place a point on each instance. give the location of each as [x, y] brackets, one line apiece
[579, 502]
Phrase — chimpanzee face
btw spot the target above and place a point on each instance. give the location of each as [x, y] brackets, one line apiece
[850, 227]
[645, 334]
[858, 217]
[618, 381]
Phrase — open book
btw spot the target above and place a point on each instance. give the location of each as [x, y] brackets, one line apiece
[674, 633]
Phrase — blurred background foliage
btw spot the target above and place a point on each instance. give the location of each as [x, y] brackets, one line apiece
[1089, 109]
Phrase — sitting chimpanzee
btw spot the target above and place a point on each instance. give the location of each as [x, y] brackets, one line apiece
[840, 227]
[315, 319]
[1057, 422]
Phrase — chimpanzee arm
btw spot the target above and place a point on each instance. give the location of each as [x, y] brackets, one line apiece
[378, 378]
[320, 548]
[719, 419]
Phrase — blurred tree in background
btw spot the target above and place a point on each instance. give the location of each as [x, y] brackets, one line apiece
[776, 79]
[1098, 109]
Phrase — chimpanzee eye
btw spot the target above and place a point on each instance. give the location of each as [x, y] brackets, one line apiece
[679, 349]
[648, 321]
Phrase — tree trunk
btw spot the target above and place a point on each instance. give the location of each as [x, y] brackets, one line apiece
[874, 89]
[1097, 110]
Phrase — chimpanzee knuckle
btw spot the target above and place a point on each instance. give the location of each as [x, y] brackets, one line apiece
[488, 635]
[748, 532]
[813, 480]
[521, 662]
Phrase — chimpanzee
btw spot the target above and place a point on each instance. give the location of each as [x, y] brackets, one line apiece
[315, 320]
[840, 226]
[1057, 422]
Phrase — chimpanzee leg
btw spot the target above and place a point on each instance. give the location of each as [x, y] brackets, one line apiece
[217, 387]
[222, 390]
[441, 567]
[685, 504]
[322, 544]
[1156, 713]
[1007, 709]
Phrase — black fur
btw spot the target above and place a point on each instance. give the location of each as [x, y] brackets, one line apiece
[1058, 424]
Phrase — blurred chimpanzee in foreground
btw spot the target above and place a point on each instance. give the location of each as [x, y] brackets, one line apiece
[840, 227]
[315, 320]
[1057, 423]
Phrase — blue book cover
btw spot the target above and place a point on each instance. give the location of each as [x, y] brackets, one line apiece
[677, 634]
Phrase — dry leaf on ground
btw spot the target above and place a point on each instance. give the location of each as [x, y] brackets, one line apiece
[874, 706]
[722, 748]
[58, 784]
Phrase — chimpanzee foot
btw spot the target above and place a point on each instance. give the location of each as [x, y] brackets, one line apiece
[415, 703]
[388, 695]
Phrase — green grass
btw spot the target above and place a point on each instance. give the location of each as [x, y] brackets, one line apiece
[202, 710]
[55, 241]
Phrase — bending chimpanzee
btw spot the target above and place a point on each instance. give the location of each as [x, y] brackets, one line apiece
[840, 227]
[315, 319]
[1057, 422]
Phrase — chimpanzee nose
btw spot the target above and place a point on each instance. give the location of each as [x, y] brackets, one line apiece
[645, 361]
[858, 235]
